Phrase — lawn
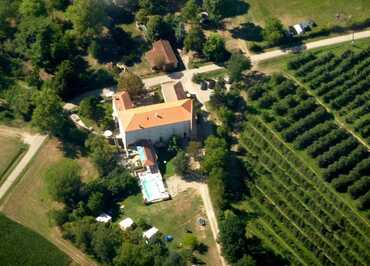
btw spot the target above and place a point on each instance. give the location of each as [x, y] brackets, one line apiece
[28, 202]
[174, 217]
[323, 12]
[11, 149]
[21, 246]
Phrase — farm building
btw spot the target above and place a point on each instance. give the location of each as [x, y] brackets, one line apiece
[162, 56]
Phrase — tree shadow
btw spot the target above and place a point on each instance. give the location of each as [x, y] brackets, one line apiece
[236, 8]
[248, 31]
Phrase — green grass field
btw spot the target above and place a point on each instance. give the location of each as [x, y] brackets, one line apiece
[173, 217]
[21, 246]
[11, 149]
[323, 12]
[28, 202]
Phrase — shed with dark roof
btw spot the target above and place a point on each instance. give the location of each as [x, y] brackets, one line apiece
[162, 56]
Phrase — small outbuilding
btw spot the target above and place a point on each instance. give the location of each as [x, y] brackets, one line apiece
[104, 218]
[126, 224]
[150, 234]
[162, 57]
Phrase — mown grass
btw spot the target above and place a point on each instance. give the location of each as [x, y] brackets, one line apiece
[21, 246]
[175, 217]
[29, 204]
[323, 12]
[11, 149]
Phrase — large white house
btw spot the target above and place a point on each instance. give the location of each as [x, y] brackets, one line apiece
[157, 122]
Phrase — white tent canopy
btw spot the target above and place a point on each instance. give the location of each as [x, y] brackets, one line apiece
[150, 233]
[104, 218]
[126, 223]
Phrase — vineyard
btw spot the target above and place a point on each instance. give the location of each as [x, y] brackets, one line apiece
[301, 121]
[298, 155]
[342, 82]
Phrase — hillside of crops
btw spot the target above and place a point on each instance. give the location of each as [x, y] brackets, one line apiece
[342, 82]
[300, 159]
[21, 246]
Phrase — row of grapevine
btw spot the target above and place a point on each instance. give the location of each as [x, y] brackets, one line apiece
[292, 199]
[308, 126]
[343, 82]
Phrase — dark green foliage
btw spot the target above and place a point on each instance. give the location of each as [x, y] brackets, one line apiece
[90, 107]
[63, 182]
[180, 163]
[274, 32]
[216, 9]
[194, 40]
[236, 65]
[190, 11]
[48, 115]
[232, 237]
[214, 48]
[21, 246]
[101, 153]
[158, 28]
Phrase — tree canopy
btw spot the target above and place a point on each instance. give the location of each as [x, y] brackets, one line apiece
[131, 83]
[236, 65]
[274, 32]
[87, 16]
[190, 11]
[214, 48]
[195, 39]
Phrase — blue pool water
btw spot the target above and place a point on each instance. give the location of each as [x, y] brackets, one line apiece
[141, 152]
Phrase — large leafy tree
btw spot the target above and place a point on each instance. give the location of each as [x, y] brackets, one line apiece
[274, 32]
[215, 8]
[158, 28]
[101, 153]
[153, 6]
[48, 115]
[190, 11]
[232, 237]
[131, 83]
[236, 65]
[87, 16]
[181, 163]
[214, 48]
[32, 8]
[42, 41]
[195, 39]
[63, 181]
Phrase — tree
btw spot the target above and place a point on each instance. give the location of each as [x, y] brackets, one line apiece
[32, 8]
[48, 115]
[190, 11]
[58, 4]
[154, 7]
[195, 39]
[245, 261]
[194, 149]
[216, 154]
[105, 243]
[90, 108]
[120, 183]
[236, 65]
[180, 163]
[87, 16]
[157, 28]
[232, 237]
[96, 203]
[215, 8]
[63, 182]
[274, 32]
[20, 101]
[65, 79]
[101, 152]
[131, 83]
[42, 41]
[214, 48]
[226, 116]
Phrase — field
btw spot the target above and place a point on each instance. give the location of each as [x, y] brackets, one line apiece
[174, 217]
[28, 202]
[344, 86]
[11, 149]
[294, 148]
[323, 12]
[20, 246]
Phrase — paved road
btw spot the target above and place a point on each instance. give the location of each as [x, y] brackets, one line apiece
[311, 45]
[34, 142]
[186, 75]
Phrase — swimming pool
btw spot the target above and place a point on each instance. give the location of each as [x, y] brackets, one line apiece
[141, 152]
[153, 188]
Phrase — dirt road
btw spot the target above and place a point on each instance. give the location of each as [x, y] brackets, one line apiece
[176, 185]
[34, 142]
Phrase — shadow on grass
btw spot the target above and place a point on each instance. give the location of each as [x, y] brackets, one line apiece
[236, 8]
[248, 31]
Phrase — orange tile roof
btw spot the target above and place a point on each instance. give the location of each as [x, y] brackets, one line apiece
[156, 115]
[123, 101]
[161, 49]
